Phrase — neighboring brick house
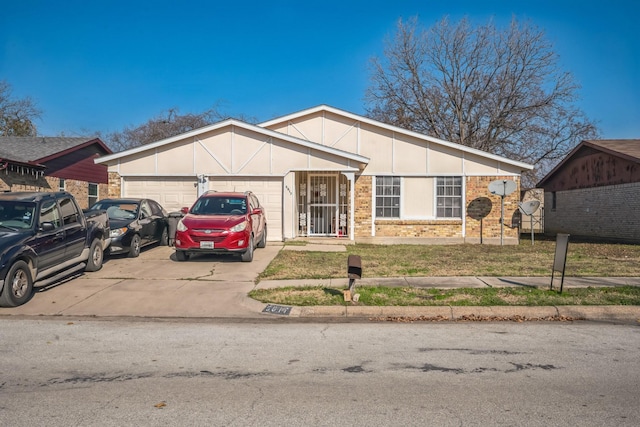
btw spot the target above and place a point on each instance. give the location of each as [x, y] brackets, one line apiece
[594, 192]
[52, 164]
[325, 172]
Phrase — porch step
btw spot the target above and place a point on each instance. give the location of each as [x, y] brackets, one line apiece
[341, 241]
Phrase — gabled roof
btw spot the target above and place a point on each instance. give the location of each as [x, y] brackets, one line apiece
[628, 149]
[239, 124]
[396, 129]
[38, 149]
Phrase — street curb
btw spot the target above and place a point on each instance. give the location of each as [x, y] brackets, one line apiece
[469, 313]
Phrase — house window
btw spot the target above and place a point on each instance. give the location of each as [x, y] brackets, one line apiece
[553, 201]
[388, 197]
[61, 185]
[93, 194]
[449, 197]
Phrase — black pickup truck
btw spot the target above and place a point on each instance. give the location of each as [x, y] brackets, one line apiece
[45, 237]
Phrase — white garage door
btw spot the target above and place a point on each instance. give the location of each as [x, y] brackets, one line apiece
[269, 192]
[171, 193]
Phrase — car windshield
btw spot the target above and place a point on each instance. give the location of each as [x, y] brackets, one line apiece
[118, 210]
[16, 215]
[220, 206]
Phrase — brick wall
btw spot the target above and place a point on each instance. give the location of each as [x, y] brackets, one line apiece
[115, 184]
[484, 209]
[482, 221]
[609, 212]
[418, 228]
[11, 181]
[362, 209]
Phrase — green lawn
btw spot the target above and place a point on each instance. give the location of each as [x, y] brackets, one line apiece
[583, 260]
[525, 259]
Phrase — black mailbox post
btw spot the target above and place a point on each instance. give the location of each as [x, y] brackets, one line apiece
[354, 271]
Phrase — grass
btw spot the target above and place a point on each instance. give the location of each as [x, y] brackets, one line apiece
[410, 296]
[583, 260]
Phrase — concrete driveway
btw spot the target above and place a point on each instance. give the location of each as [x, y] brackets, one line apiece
[156, 285]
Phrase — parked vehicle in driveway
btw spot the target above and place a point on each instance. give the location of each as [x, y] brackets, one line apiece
[135, 223]
[45, 237]
[222, 223]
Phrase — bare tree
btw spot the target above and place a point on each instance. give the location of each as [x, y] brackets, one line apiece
[499, 91]
[166, 125]
[16, 115]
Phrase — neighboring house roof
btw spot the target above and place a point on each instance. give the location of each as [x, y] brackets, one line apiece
[628, 149]
[61, 157]
[396, 129]
[239, 124]
[38, 149]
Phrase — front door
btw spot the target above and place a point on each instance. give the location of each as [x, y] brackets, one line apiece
[323, 204]
[322, 209]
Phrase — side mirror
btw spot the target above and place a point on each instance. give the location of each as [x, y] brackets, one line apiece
[184, 210]
[47, 226]
[257, 211]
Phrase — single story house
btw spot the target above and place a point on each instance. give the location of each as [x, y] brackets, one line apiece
[594, 192]
[53, 164]
[327, 172]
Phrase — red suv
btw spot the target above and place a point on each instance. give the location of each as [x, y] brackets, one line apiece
[222, 222]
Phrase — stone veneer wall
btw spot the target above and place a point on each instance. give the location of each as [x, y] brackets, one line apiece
[26, 182]
[610, 212]
[482, 221]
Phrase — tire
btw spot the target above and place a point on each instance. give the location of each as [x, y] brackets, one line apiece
[96, 256]
[164, 237]
[263, 240]
[182, 256]
[18, 285]
[134, 250]
[247, 256]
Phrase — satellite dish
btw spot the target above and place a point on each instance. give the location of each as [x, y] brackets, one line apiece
[530, 207]
[502, 187]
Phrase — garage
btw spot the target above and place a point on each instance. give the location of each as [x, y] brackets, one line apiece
[267, 189]
[174, 193]
[171, 192]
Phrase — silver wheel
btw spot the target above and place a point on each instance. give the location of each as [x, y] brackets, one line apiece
[18, 285]
[134, 250]
[96, 256]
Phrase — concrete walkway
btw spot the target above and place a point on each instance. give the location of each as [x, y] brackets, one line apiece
[156, 285]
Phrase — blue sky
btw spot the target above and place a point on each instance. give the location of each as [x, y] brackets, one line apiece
[100, 66]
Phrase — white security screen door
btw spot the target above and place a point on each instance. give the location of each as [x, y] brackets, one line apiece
[322, 204]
